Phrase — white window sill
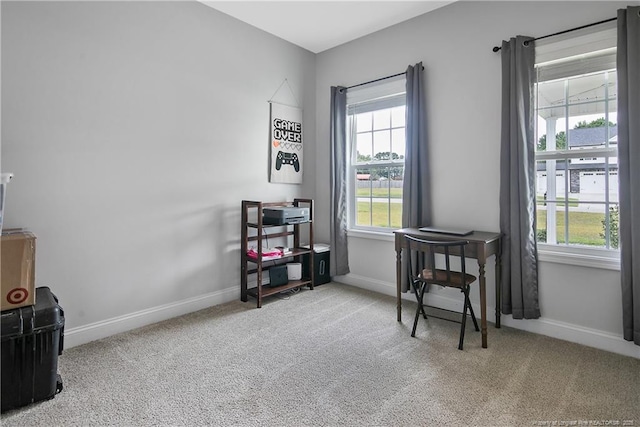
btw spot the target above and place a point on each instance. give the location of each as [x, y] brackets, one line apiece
[578, 256]
[387, 236]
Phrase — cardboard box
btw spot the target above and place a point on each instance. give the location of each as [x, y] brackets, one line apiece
[18, 260]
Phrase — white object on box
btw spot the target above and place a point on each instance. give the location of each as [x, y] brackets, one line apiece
[318, 247]
[5, 178]
[294, 270]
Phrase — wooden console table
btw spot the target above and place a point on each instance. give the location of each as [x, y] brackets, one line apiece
[482, 244]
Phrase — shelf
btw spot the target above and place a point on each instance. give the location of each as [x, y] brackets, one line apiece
[273, 235]
[289, 233]
[256, 225]
[268, 290]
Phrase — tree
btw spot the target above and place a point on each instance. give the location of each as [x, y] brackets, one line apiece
[363, 158]
[597, 123]
[377, 173]
[390, 172]
[561, 141]
[614, 235]
[385, 155]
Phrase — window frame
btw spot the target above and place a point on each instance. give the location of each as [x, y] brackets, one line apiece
[382, 96]
[570, 58]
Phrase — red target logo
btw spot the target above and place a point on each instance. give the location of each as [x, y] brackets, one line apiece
[17, 295]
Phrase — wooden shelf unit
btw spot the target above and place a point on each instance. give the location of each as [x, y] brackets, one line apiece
[287, 232]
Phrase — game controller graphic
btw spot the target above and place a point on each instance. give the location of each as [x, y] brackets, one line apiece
[287, 159]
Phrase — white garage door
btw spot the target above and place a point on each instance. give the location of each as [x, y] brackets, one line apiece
[594, 182]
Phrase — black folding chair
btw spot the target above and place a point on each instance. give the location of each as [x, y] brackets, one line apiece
[422, 272]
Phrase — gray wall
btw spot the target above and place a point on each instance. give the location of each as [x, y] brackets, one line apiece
[134, 130]
[463, 113]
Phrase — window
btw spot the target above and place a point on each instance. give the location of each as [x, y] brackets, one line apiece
[576, 134]
[376, 141]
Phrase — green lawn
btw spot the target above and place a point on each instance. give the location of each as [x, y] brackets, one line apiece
[378, 214]
[573, 202]
[585, 227]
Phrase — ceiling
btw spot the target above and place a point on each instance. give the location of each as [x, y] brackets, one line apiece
[321, 25]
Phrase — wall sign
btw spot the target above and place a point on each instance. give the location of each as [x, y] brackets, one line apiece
[285, 144]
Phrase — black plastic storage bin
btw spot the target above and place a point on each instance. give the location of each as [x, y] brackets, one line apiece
[320, 265]
[32, 340]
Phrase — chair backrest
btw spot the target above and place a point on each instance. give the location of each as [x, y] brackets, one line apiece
[421, 263]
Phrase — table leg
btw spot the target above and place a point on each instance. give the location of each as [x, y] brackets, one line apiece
[399, 283]
[498, 290]
[483, 304]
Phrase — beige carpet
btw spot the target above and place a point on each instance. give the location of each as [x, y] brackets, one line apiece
[334, 356]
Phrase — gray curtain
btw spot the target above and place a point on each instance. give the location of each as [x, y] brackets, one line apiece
[416, 190]
[416, 194]
[339, 257]
[519, 274]
[628, 64]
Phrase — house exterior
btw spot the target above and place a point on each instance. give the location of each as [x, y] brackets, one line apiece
[587, 175]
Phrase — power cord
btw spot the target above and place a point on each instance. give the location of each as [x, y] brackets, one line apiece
[285, 295]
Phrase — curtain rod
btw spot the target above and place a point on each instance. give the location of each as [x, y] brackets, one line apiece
[380, 79]
[497, 48]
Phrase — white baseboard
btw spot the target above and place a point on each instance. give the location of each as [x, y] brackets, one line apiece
[94, 331]
[551, 328]
[574, 333]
